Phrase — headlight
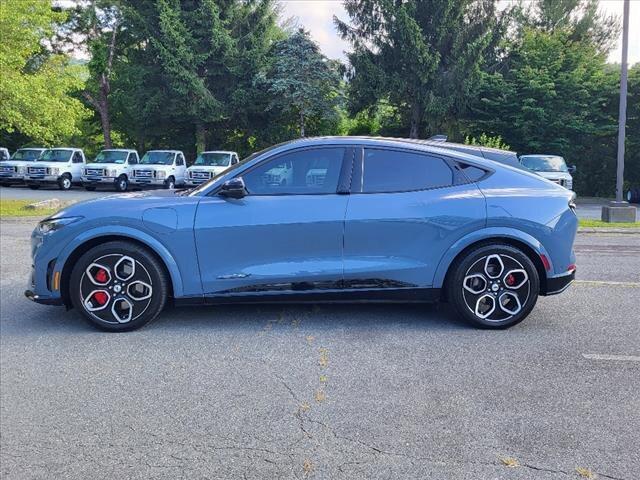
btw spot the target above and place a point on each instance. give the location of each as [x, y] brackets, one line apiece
[161, 174]
[112, 173]
[51, 225]
[54, 171]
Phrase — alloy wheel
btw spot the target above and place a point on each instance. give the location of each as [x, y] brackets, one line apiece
[116, 289]
[496, 287]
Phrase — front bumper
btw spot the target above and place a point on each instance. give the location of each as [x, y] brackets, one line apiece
[559, 284]
[156, 182]
[98, 180]
[11, 179]
[42, 299]
[32, 179]
[194, 183]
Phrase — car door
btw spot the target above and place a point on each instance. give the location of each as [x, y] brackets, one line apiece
[405, 209]
[77, 162]
[281, 235]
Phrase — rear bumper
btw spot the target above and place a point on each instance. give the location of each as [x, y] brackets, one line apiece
[556, 285]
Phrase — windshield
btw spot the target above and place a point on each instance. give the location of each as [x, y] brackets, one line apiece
[111, 156]
[544, 163]
[213, 159]
[157, 158]
[56, 155]
[26, 155]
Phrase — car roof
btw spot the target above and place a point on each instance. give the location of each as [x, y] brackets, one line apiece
[217, 151]
[160, 150]
[32, 148]
[541, 155]
[118, 150]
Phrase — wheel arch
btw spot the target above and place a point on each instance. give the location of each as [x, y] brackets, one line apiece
[533, 250]
[175, 285]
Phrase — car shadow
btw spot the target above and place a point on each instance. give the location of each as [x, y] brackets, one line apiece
[39, 319]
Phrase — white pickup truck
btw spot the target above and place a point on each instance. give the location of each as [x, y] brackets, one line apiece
[208, 165]
[12, 171]
[160, 168]
[110, 168]
[61, 166]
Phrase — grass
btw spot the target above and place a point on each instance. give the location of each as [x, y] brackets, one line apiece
[601, 224]
[16, 208]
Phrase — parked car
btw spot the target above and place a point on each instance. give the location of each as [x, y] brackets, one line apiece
[208, 165]
[61, 166]
[110, 167]
[4, 154]
[12, 171]
[160, 168]
[392, 220]
[506, 157]
[551, 167]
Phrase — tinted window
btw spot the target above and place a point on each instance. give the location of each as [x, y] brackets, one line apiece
[77, 157]
[471, 172]
[395, 171]
[305, 172]
[133, 158]
[180, 160]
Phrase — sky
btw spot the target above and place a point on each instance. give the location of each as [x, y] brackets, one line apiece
[317, 17]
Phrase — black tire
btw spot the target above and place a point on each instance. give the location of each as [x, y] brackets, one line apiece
[141, 309]
[122, 184]
[64, 182]
[633, 195]
[474, 306]
[170, 183]
[90, 189]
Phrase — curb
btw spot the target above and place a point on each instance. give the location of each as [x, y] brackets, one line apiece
[628, 231]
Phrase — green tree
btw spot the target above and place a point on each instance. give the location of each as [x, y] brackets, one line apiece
[302, 81]
[423, 58]
[36, 85]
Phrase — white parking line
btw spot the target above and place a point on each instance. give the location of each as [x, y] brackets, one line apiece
[607, 283]
[624, 358]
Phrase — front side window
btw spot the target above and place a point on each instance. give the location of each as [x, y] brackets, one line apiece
[77, 157]
[397, 171]
[26, 155]
[133, 158]
[56, 155]
[180, 160]
[111, 156]
[306, 172]
[157, 158]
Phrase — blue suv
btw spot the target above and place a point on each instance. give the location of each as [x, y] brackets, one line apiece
[317, 220]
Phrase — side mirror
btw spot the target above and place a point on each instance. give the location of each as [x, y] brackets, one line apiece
[572, 169]
[233, 188]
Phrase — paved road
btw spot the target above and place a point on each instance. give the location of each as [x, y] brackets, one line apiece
[328, 392]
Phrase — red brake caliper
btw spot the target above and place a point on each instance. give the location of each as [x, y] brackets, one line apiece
[511, 279]
[100, 297]
[101, 276]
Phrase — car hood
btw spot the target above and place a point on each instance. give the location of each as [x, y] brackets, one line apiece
[130, 204]
[16, 163]
[206, 168]
[555, 175]
[103, 165]
[49, 164]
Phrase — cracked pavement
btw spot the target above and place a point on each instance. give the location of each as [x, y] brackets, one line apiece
[335, 392]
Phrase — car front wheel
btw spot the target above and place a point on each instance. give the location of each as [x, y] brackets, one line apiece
[170, 183]
[64, 182]
[494, 286]
[122, 184]
[118, 286]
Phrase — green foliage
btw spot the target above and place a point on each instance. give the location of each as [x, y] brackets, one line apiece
[302, 82]
[36, 87]
[487, 141]
[424, 58]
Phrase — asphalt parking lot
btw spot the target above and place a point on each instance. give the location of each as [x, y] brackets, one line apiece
[373, 391]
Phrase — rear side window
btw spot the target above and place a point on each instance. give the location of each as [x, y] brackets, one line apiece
[471, 172]
[397, 171]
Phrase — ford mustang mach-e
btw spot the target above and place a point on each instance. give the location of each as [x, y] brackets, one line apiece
[357, 219]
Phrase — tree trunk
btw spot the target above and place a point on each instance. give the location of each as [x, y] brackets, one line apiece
[104, 112]
[301, 124]
[416, 119]
[201, 138]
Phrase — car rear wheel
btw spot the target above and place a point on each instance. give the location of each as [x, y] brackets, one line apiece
[494, 286]
[64, 182]
[118, 286]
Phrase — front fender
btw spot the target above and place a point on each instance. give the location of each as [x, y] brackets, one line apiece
[477, 236]
[128, 232]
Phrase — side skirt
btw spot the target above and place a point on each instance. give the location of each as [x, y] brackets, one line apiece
[385, 295]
